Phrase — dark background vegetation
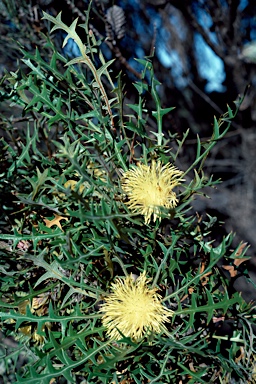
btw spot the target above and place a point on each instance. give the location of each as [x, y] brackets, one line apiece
[203, 54]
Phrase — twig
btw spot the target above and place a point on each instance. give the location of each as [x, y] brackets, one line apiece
[116, 51]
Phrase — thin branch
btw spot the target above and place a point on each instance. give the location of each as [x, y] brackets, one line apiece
[116, 51]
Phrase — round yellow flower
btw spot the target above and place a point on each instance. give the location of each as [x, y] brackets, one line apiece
[133, 309]
[151, 187]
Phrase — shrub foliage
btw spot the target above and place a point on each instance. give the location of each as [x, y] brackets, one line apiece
[67, 232]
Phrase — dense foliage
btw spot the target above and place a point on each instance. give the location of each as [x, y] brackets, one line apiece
[68, 232]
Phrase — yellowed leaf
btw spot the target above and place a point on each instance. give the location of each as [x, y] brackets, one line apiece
[240, 260]
[230, 269]
[40, 300]
[55, 221]
[72, 185]
[217, 319]
[240, 249]
[237, 262]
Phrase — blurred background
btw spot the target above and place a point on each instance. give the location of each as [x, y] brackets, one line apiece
[204, 55]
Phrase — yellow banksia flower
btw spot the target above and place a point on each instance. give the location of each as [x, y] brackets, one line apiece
[150, 188]
[133, 309]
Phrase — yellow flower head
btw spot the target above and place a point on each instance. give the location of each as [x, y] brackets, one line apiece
[151, 187]
[133, 309]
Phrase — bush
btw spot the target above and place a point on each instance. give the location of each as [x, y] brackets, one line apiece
[107, 273]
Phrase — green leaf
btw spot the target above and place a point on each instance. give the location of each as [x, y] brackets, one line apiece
[54, 271]
[216, 131]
